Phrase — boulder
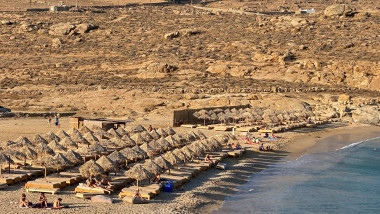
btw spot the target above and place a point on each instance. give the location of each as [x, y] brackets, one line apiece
[61, 29]
[160, 68]
[337, 10]
[344, 98]
[217, 69]
[56, 43]
[85, 28]
[366, 115]
[171, 35]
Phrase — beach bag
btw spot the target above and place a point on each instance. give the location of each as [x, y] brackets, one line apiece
[101, 199]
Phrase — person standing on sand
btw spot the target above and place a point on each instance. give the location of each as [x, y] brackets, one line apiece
[56, 121]
[150, 128]
[49, 121]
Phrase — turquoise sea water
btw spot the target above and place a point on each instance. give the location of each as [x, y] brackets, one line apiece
[346, 181]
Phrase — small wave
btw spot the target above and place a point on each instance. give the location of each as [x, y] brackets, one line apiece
[358, 143]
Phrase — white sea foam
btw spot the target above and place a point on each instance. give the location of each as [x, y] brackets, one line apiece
[358, 143]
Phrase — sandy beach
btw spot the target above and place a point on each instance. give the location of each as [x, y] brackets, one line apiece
[204, 193]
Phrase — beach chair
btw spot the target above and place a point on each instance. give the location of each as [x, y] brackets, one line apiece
[82, 188]
[44, 190]
[131, 192]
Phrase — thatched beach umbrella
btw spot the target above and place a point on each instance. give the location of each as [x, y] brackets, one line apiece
[91, 168]
[170, 131]
[61, 162]
[62, 134]
[172, 158]
[162, 132]
[77, 137]
[100, 133]
[139, 151]
[152, 167]
[10, 144]
[98, 148]
[50, 136]
[188, 137]
[200, 134]
[147, 149]
[108, 144]
[181, 155]
[198, 150]
[162, 162]
[130, 142]
[164, 144]
[14, 154]
[28, 152]
[68, 143]
[85, 130]
[155, 135]
[138, 128]
[139, 139]
[56, 147]
[173, 142]
[138, 172]
[179, 138]
[117, 157]
[114, 133]
[188, 152]
[5, 159]
[38, 139]
[73, 157]
[43, 149]
[131, 154]
[156, 146]
[106, 163]
[46, 161]
[23, 141]
[121, 131]
[195, 135]
[202, 114]
[90, 137]
[73, 130]
[147, 136]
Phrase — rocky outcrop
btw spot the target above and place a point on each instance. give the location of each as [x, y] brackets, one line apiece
[337, 10]
[366, 115]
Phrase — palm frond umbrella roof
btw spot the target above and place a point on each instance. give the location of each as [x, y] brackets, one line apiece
[138, 172]
[62, 134]
[121, 131]
[90, 137]
[114, 133]
[155, 145]
[179, 138]
[172, 158]
[38, 139]
[152, 167]
[195, 135]
[5, 159]
[91, 168]
[131, 154]
[215, 142]
[164, 144]
[188, 137]
[155, 135]
[62, 161]
[181, 155]
[28, 152]
[46, 161]
[77, 137]
[147, 148]
[56, 147]
[97, 148]
[73, 130]
[138, 128]
[139, 151]
[201, 135]
[188, 152]
[86, 151]
[162, 132]
[50, 136]
[147, 136]
[100, 133]
[118, 142]
[208, 145]
[139, 139]
[198, 150]
[68, 143]
[108, 143]
[162, 162]
[218, 110]
[74, 157]
[201, 145]
[106, 163]
[117, 157]
[43, 149]
[14, 154]
[173, 142]
[128, 140]
[170, 131]
[23, 141]
[85, 129]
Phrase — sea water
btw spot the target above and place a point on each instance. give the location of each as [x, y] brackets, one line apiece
[345, 180]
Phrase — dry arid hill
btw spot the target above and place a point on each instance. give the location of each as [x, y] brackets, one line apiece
[139, 59]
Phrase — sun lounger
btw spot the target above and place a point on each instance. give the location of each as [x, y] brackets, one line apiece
[42, 184]
[44, 190]
[191, 170]
[74, 175]
[85, 195]
[131, 192]
[246, 129]
[153, 188]
[6, 180]
[203, 127]
[64, 181]
[83, 188]
[188, 125]
[221, 166]
[177, 180]
[223, 128]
